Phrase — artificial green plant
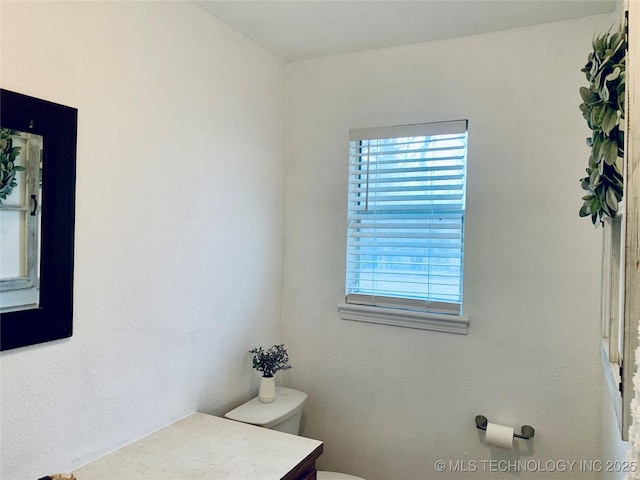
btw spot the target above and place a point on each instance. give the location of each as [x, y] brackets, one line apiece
[270, 361]
[603, 108]
[8, 168]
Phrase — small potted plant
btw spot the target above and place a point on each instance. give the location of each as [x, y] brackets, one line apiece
[268, 362]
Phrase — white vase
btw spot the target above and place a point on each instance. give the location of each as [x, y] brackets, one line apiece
[267, 392]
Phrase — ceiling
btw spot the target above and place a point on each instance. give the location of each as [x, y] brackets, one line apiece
[296, 30]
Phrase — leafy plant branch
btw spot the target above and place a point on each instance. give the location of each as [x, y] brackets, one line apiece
[8, 167]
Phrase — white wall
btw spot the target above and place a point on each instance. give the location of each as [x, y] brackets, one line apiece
[388, 401]
[178, 228]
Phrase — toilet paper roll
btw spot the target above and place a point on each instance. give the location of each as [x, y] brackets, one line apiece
[499, 436]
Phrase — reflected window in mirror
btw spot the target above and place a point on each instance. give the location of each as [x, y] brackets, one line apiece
[20, 207]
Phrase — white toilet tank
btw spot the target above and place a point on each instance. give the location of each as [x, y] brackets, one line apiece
[283, 414]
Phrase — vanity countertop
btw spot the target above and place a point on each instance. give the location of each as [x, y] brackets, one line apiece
[204, 447]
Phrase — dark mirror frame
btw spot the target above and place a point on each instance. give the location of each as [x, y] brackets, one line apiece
[57, 124]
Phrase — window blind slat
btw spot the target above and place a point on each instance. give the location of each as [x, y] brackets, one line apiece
[425, 255]
[417, 235]
[402, 189]
[360, 171]
[381, 174]
[380, 227]
[410, 198]
[427, 263]
[354, 218]
[359, 179]
[422, 208]
[377, 156]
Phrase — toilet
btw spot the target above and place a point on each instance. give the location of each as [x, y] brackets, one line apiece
[283, 415]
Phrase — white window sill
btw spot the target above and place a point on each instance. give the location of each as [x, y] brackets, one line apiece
[404, 318]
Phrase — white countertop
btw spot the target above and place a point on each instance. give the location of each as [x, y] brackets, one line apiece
[204, 447]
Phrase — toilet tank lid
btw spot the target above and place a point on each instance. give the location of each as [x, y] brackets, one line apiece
[287, 403]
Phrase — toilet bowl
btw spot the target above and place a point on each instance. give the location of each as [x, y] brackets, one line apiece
[335, 476]
[283, 415]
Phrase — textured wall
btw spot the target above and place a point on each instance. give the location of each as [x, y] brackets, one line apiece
[178, 226]
[389, 401]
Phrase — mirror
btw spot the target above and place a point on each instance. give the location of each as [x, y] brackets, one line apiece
[37, 208]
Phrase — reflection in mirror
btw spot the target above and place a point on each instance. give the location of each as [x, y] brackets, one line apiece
[20, 207]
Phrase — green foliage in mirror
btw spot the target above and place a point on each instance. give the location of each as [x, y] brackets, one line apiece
[603, 108]
[8, 168]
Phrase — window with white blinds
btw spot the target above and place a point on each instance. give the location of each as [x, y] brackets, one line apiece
[406, 216]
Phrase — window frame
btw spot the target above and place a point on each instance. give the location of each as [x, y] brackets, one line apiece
[427, 314]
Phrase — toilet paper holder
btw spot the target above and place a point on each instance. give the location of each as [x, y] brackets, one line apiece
[527, 430]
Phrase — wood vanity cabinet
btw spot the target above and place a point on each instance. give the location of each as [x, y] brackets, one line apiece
[306, 469]
[204, 447]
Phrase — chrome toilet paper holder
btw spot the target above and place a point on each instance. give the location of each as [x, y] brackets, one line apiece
[527, 430]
